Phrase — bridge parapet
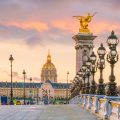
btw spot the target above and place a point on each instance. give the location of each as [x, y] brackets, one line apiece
[107, 107]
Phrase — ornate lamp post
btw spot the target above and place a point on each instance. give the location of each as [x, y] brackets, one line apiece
[84, 67]
[88, 73]
[76, 84]
[24, 75]
[30, 90]
[112, 58]
[38, 95]
[93, 70]
[30, 81]
[72, 88]
[80, 75]
[101, 65]
[67, 87]
[11, 90]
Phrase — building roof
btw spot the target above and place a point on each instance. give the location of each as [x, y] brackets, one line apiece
[34, 85]
[60, 85]
[19, 84]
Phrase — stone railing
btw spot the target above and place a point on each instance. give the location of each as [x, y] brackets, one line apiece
[106, 107]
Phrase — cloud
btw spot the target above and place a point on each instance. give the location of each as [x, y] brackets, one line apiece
[33, 37]
[14, 32]
[63, 24]
[46, 10]
[14, 74]
[35, 40]
[36, 79]
[17, 77]
[18, 35]
[37, 25]
[7, 75]
[39, 22]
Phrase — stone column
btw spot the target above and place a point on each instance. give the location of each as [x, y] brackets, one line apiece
[84, 47]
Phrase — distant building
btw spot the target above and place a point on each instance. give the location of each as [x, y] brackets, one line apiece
[48, 85]
[54, 90]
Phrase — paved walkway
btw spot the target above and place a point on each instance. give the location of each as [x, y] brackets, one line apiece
[42, 112]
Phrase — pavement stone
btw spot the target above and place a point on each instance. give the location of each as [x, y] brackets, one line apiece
[45, 112]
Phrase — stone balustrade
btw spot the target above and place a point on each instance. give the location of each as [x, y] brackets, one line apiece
[106, 107]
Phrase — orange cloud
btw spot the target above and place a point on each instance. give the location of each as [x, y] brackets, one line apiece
[95, 27]
[63, 24]
[36, 25]
[101, 26]
[40, 26]
[67, 24]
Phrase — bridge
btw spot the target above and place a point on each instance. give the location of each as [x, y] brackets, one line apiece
[100, 98]
[45, 112]
[106, 107]
[80, 107]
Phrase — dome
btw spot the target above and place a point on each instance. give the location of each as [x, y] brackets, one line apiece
[49, 66]
[49, 71]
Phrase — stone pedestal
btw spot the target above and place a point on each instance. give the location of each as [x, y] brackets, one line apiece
[84, 46]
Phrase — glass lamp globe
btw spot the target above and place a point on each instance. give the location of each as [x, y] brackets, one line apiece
[102, 61]
[93, 66]
[80, 77]
[112, 40]
[87, 70]
[113, 53]
[77, 76]
[84, 67]
[93, 57]
[80, 72]
[88, 63]
[101, 50]
[11, 58]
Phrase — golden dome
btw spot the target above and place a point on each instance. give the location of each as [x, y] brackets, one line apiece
[49, 71]
[49, 65]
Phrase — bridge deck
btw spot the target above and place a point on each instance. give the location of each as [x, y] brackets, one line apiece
[42, 112]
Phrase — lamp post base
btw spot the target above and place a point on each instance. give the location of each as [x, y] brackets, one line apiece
[87, 91]
[100, 89]
[111, 89]
[11, 102]
[93, 88]
[83, 90]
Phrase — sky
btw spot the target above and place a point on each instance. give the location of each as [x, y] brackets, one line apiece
[29, 28]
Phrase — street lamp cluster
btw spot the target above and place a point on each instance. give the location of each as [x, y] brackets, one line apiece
[24, 77]
[84, 81]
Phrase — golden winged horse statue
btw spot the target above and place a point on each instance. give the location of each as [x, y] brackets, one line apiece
[84, 21]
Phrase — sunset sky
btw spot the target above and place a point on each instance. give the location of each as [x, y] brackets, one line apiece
[28, 28]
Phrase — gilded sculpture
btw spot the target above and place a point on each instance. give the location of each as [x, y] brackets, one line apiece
[84, 21]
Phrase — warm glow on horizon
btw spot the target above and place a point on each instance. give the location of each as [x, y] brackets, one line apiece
[29, 28]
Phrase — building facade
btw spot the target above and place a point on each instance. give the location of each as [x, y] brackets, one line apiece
[54, 90]
[47, 87]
